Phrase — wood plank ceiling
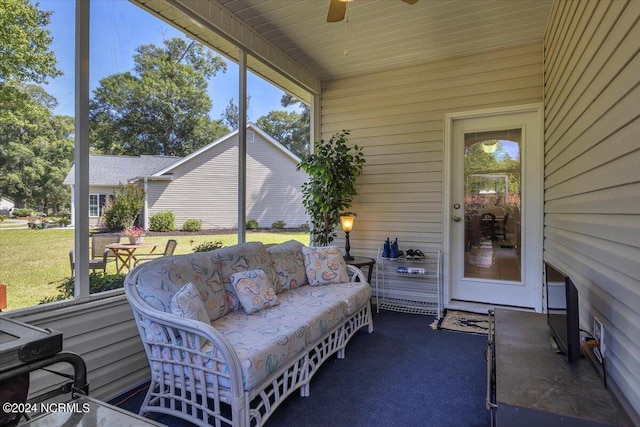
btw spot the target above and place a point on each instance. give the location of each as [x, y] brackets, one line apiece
[383, 34]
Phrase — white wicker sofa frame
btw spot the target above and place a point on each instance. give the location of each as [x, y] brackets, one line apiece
[197, 374]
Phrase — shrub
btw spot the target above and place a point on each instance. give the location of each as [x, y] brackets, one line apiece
[208, 246]
[162, 221]
[305, 226]
[279, 225]
[252, 224]
[192, 225]
[22, 212]
[123, 210]
[98, 282]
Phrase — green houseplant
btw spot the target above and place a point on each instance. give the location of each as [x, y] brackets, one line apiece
[331, 188]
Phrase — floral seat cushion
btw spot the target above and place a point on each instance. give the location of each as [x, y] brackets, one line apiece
[265, 340]
[324, 307]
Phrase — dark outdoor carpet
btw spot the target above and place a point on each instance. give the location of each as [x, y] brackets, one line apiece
[403, 374]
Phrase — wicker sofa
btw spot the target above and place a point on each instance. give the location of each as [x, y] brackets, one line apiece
[230, 333]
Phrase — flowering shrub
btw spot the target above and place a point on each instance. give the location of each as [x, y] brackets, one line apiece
[121, 212]
[134, 232]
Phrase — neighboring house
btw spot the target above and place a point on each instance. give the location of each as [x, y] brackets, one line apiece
[6, 206]
[107, 172]
[204, 185]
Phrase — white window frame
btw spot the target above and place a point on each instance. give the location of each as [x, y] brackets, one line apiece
[95, 205]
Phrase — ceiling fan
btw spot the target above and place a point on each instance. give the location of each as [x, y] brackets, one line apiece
[338, 8]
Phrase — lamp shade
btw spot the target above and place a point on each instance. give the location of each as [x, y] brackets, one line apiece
[347, 222]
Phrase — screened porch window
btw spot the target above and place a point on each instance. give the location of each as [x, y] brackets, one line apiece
[113, 34]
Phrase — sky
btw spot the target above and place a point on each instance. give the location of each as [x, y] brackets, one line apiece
[118, 27]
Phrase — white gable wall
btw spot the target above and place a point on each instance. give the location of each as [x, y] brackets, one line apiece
[273, 185]
[592, 178]
[205, 187]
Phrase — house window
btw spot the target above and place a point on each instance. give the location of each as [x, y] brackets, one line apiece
[94, 205]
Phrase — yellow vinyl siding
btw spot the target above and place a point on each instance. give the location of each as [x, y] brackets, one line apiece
[592, 179]
[398, 117]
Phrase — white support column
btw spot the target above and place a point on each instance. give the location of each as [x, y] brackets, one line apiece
[242, 146]
[73, 205]
[81, 152]
[315, 133]
[145, 210]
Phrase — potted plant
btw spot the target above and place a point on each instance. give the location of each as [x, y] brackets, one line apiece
[333, 169]
[135, 234]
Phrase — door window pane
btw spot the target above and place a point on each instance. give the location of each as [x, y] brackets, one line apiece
[492, 174]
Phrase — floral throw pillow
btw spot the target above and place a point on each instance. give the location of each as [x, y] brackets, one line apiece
[254, 290]
[288, 263]
[242, 257]
[188, 303]
[324, 265]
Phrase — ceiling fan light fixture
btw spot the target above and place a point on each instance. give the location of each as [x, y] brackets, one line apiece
[490, 147]
[338, 8]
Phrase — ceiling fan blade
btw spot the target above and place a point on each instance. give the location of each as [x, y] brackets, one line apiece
[410, 1]
[337, 10]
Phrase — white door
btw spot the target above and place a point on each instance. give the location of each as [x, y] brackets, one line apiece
[495, 206]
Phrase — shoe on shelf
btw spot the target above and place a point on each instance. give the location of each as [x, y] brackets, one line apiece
[395, 253]
[410, 254]
[418, 254]
[386, 249]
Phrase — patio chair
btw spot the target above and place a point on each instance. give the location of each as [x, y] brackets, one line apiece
[168, 250]
[488, 225]
[99, 247]
[501, 228]
[94, 263]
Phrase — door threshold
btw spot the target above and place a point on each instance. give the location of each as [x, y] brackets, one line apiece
[480, 307]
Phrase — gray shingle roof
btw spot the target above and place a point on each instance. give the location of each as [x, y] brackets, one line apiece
[114, 170]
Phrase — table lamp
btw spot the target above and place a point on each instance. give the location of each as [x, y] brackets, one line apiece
[347, 226]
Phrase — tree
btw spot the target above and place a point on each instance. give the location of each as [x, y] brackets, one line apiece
[162, 106]
[36, 148]
[24, 43]
[291, 129]
[231, 114]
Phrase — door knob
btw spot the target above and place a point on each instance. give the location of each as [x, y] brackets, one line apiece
[456, 218]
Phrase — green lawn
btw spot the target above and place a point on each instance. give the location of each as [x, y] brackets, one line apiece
[33, 261]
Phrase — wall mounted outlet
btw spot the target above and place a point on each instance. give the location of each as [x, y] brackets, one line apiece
[598, 334]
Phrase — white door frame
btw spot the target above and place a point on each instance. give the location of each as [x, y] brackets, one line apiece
[535, 255]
